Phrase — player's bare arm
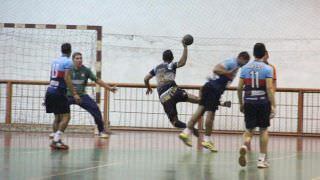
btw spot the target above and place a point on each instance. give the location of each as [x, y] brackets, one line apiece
[270, 92]
[147, 84]
[184, 57]
[275, 84]
[240, 93]
[106, 86]
[221, 70]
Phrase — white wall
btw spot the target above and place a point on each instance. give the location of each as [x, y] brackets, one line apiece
[290, 29]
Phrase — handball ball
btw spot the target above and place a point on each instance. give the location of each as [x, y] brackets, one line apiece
[188, 39]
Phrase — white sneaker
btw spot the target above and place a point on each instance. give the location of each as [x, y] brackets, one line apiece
[51, 135]
[103, 135]
[262, 163]
[243, 155]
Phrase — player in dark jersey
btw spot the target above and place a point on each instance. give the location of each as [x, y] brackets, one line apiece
[169, 93]
[56, 100]
[211, 92]
[258, 103]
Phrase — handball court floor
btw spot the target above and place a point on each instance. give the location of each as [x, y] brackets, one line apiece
[152, 155]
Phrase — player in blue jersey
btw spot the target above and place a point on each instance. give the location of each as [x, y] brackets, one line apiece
[169, 93]
[211, 92]
[56, 100]
[258, 103]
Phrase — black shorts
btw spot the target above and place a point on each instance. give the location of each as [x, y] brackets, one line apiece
[177, 95]
[257, 115]
[57, 103]
[210, 97]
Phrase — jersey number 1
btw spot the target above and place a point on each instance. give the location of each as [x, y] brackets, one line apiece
[54, 70]
[254, 79]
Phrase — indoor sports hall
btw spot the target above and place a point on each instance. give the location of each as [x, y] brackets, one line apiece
[121, 42]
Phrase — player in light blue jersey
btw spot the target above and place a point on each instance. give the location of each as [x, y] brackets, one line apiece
[258, 103]
[210, 94]
[56, 100]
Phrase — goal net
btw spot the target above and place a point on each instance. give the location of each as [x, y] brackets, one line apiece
[26, 53]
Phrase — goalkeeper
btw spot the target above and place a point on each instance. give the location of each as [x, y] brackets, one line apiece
[80, 75]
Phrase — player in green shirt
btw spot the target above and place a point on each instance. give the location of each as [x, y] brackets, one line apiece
[80, 75]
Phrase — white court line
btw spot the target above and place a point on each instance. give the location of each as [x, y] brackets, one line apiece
[77, 171]
[277, 158]
[284, 157]
[274, 159]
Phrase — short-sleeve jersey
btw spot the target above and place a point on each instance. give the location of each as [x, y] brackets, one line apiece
[254, 75]
[165, 74]
[58, 68]
[80, 78]
[223, 80]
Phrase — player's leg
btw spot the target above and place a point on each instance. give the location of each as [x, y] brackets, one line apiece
[201, 108]
[185, 135]
[179, 95]
[251, 122]
[65, 118]
[91, 106]
[179, 124]
[247, 136]
[49, 104]
[61, 110]
[57, 142]
[170, 109]
[58, 118]
[193, 99]
[264, 123]
[207, 143]
[211, 100]
[209, 123]
[264, 139]
[55, 125]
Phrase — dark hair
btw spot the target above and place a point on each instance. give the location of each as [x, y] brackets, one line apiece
[259, 50]
[167, 55]
[66, 48]
[245, 55]
[76, 54]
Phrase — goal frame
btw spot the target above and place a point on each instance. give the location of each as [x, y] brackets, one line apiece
[98, 29]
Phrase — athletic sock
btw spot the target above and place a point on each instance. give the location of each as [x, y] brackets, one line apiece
[206, 138]
[187, 131]
[57, 136]
[262, 156]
